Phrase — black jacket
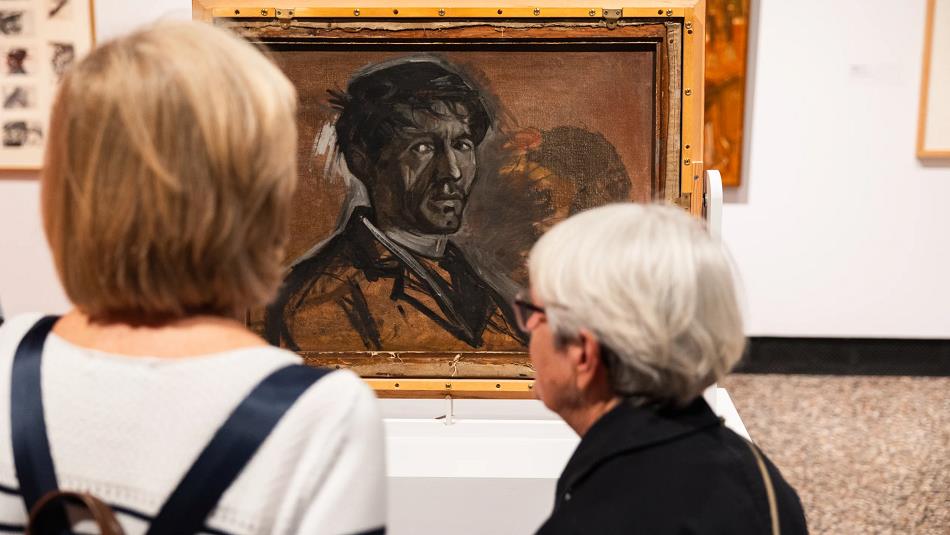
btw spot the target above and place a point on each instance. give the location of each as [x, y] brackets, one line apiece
[360, 280]
[666, 470]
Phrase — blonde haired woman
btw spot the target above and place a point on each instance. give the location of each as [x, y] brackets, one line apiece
[165, 196]
[632, 314]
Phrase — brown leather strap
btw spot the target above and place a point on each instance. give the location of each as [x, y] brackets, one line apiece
[101, 513]
[769, 489]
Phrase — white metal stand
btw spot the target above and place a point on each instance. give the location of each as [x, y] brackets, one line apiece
[713, 202]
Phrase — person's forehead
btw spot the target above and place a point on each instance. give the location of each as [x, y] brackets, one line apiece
[437, 117]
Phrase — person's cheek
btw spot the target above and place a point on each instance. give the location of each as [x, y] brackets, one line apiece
[407, 172]
[468, 170]
[416, 174]
[535, 353]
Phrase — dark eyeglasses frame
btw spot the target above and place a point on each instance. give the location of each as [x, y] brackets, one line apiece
[523, 310]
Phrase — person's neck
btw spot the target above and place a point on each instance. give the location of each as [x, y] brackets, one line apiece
[196, 335]
[429, 245]
[582, 418]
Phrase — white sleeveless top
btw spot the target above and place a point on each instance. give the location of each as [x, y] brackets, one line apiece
[126, 429]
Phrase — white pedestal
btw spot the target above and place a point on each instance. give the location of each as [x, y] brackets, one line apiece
[492, 471]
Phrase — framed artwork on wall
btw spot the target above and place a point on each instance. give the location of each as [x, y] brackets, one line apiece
[39, 40]
[437, 144]
[933, 129]
[727, 37]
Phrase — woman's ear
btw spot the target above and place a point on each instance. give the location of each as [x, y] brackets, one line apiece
[587, 359]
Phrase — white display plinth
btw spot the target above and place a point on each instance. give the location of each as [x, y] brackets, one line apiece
[493, 470]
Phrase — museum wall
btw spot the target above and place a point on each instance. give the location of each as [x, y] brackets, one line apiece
[838, 230]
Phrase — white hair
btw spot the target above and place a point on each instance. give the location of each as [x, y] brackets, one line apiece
[654, 287]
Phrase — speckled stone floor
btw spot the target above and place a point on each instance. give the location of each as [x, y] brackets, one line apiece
[866, 454]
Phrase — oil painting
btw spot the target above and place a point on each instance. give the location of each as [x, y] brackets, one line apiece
[439, 170]
[727, 35]
[426, 176]
[429, 165]
[408, 130]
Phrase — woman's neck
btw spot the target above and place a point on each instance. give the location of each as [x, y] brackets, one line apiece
[586, 415]
[185, 337]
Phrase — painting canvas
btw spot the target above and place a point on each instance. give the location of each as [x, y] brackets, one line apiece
[421, 146]
[727, 34]
[39, 41]
[426, 174]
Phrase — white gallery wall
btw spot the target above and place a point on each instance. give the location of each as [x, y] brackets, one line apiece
[839, 229]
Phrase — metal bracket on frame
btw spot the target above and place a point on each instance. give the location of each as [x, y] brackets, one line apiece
[612, 16]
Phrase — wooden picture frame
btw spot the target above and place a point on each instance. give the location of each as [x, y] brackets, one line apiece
[933, 127]
[314, 42]
[39, 40]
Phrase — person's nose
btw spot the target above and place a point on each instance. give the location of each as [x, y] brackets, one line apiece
[448, 165]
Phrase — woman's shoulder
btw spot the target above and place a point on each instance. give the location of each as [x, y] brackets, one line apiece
[341, 396]
[19, 323]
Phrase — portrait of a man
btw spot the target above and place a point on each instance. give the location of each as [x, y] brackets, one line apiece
[392, 276]
[425, 175]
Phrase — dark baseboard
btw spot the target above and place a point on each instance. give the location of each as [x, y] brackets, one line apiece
[846, 356]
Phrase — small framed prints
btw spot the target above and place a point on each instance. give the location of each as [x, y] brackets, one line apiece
[39, 40]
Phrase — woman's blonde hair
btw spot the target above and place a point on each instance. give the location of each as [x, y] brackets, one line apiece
[169, 172]
[653, 286]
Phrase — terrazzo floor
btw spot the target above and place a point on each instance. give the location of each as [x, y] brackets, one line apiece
[866, 454]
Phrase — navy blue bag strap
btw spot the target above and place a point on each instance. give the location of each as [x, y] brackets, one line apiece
[232, 446]
[31, 455]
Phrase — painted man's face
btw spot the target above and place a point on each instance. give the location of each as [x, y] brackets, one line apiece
[426, 172]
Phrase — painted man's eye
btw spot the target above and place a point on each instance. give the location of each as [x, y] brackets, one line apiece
[423, 148]
[463, 145]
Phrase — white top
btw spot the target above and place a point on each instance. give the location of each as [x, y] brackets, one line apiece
[126, 429]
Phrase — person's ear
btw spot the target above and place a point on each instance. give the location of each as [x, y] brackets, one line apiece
[587, 358]
[358, 163]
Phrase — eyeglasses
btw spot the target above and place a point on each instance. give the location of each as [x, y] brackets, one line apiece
[524, 309]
